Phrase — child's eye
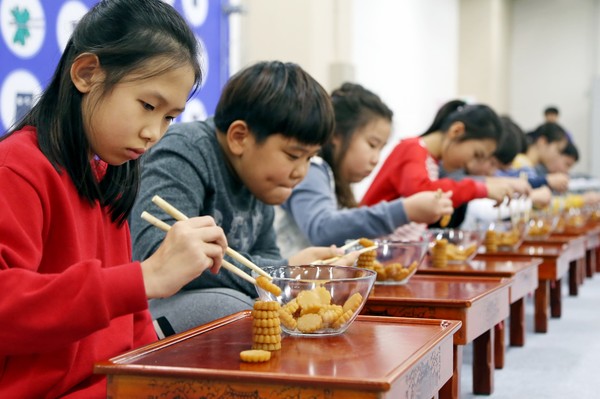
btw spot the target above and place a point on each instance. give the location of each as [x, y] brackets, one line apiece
[170, 118]
[292, 156]
[147, 106]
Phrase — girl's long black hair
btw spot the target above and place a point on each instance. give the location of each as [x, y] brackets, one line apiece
[127, 36]
[481, 122]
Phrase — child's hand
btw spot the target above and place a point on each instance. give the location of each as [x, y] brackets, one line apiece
[498, 190]
[558, 181]
[518, 185]
[190, 247]
[541, 197]
[312, 254]
[428, 206]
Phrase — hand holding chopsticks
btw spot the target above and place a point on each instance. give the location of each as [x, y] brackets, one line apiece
[178, 215]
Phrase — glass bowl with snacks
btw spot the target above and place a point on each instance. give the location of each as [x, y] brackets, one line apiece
[318, 300]
[541, 225]
[505, 235]
[453, 246]
[394, 261]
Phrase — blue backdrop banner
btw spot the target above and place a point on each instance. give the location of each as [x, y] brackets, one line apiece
[35, 32]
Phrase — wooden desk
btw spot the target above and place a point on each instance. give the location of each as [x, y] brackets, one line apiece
[524, 277]
[479, 303]
[554, 266]
[575, 253]
[377, 357]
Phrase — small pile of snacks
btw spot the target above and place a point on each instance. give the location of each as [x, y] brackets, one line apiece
[393, 262]
[454, 245]
[497, 239]
[318, 300]
[439, 253]
[266, 332]
[312, 311]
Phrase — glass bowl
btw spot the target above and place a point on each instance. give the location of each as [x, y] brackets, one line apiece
[462, 244]
[541, 225]
[332, 295]
[505, 235]
[395, 261]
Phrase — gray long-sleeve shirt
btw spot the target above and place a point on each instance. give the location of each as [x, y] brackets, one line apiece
[314, 209]
[188, 169]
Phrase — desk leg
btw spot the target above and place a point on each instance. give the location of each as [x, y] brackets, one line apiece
[590, 262]
[581, 265]
[517, 323]
[499, 345]
[483, 364]
[541, 306]
[556, 299]
[573, 277]
[597, 264]
[451, 389]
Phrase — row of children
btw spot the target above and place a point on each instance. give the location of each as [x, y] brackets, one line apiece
[85, 275]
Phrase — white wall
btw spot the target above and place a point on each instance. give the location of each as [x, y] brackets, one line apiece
[407, 52]
[553, 55]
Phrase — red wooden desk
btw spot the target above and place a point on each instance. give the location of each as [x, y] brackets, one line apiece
[577, 256]
[479, 303]
[524, 277]
[377, 357]
[591, 236]
[554, 266]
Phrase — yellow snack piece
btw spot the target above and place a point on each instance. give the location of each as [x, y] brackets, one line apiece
[255, 356]
[309, 323]
[266, 305]
[267, 285]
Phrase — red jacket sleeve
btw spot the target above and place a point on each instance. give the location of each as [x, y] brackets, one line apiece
[405, 173]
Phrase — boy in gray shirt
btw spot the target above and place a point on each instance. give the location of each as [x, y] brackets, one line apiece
[270, 120]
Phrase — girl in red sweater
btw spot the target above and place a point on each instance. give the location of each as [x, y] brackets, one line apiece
[70, 172]
[459, 134]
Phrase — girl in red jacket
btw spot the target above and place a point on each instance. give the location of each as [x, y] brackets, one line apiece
[459, 134]
[69, 173]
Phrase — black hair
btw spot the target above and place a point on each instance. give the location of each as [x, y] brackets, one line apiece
[550, 131]
[481, 122]
[276, 98]
[511, 143]
[354, 107]
[551, 110]
[571, 151]
[127, 36]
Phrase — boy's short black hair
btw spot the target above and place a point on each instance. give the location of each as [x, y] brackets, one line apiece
[277, 98]
[551, 110]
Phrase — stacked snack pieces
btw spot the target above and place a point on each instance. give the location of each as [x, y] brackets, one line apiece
[311, 311]
[491, 241]
[266, 329]
[439, 254]
[367, 259]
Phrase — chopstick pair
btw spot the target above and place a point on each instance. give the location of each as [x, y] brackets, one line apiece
[345, 247]
[178, 215]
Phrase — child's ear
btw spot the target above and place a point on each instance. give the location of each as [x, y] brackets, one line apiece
[86, 71]
[238, 136]
[456, 130]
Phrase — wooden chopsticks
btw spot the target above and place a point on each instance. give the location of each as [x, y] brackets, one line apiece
[345, 247]
[178, 215]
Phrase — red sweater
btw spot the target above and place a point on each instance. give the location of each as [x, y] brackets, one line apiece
[70, 294]
[405, 172]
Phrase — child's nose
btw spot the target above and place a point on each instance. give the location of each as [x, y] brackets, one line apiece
[151, 133]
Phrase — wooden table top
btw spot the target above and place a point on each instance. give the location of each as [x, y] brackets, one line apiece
[375, 354]
[522, 272]
[555, 257]
[479, 303]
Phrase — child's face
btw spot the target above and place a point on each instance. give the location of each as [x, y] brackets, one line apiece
[274, 167]
[132, 117]
[364, 150]
[475, 152]
[550, 153]
[560, 164]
